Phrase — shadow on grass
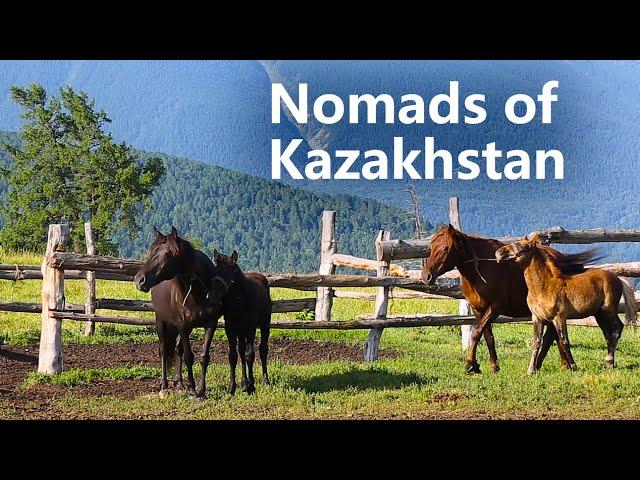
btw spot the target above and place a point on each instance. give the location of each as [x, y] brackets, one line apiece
[360, 379]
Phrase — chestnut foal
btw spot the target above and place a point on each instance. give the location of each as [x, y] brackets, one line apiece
[554, 297]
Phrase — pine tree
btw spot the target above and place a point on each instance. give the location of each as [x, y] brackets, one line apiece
[69, 170]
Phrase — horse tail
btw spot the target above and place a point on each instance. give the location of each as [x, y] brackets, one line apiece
[630, 305]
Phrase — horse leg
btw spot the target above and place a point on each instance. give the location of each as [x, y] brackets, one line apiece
[611, 327]
[233, 360]
[563, 343]
[491, 346]
[487, 317]
[204, 361]
[188, 360]
[161, 329]
[536, 342]
[242, 349]
[178, 383]
[264, 351]
[251, 357]
[549, 337]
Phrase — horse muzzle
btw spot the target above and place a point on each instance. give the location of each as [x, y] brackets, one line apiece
[429, 278]
[500, 256]
[140, 281]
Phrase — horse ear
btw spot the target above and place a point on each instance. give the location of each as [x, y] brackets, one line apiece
[535, 239]
[451, 229]
[234, 257]
[158, 233]
[216, 255]
[174, 233]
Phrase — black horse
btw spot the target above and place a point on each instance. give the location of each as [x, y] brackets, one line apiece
[179, 277]
[246, 304]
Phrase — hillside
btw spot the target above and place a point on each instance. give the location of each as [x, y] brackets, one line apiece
[219, 113]
[274, 227]
[596, 124]
[216, 112]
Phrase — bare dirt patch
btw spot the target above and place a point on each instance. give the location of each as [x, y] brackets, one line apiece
[16, 362]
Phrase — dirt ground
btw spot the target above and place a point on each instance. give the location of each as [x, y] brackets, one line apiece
[17, 361]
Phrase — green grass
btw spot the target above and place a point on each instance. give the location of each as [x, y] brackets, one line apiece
[427, 380]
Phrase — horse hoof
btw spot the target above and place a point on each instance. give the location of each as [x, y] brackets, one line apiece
[472, 368]
[201, 394]
[266, 382]
[495, 368]
[531, 373]
[249, 389]
[231, 390]
[163, 393]
[609, 365]
[573, 367]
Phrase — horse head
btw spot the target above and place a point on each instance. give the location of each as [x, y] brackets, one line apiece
[446, 250]
[519, 251]
[227, 273]
[169, 257]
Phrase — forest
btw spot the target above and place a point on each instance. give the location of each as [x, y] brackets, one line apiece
[273, 226]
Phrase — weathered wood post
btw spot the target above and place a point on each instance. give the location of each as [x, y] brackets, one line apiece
[90, 304]
[380, 309]
[50, 354]
[328, 247]
[463, 306]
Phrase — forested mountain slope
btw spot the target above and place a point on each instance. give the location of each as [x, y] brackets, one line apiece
[274, 227]
[220, 113]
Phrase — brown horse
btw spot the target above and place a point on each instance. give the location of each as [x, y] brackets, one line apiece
[554, 297]
[491, 288]
[179, 277]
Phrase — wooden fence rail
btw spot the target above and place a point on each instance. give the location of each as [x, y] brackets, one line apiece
[361, 323]
[279, 306]
[406, 249]
[31, 272]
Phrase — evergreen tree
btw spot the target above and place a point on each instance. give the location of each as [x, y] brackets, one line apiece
[69, 170]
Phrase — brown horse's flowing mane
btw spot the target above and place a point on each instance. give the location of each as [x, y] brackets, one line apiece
[571, 263]
[567, 263]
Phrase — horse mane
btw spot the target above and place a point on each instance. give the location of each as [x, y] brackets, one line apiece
[572, 263]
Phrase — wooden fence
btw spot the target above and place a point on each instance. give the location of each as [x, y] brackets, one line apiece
[59, 265]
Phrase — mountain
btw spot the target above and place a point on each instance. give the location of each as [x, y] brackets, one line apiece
[595, 124]
[219, 112]
[273, 226]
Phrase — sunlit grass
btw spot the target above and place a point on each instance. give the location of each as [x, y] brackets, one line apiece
[426, 380]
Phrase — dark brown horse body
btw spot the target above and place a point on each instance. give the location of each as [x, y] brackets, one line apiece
[179, 276]
[491, 288]
[246, 304]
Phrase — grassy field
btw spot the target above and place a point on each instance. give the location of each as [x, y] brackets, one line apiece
[425, 381]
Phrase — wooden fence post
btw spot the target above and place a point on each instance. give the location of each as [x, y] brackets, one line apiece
[328, 247]
[463, 306]
[380, 310]
[50, 354]
[90, 304]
